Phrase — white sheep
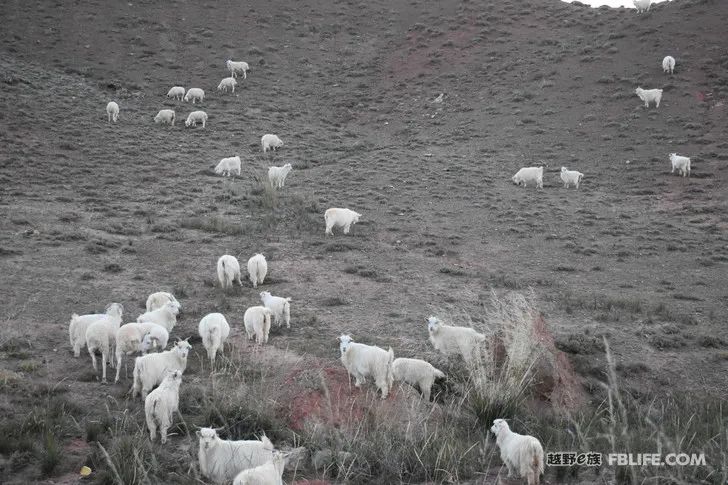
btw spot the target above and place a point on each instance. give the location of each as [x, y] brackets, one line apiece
[257, 269]
[161, 404]
[227, 83]
[79, 324]
[362, 360]
[159, 298]
[257, 323]
[194, 95]
[649, 96]
[416, 372]
[668, 64]
[571, 177]
[176, 92]
[196, 117]
[281, 307]
[682, 164]
[101, 336]
[277, 175]
[642, 5]
[112, 110]
[166, 316]
[149, 370]
[337, 217]
[454, 340]
[522, 454]
[270, 473]
[236, 68]
[221, 460]
[228, 270]
[527, 175]
[129, 339]
[165, 116]
[155, 337]
[269, 141]
[228, 166]
[214, 330]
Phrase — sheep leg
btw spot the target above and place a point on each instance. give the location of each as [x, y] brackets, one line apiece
[152, 425]
[93, 361]
[118, 367]
[103, 367]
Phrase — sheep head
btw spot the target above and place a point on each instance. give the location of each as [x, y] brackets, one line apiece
[115, 309]
[182, 348]
[433, 324]
[344, 342]
[208, 438]
[264, 295]
[499, 427]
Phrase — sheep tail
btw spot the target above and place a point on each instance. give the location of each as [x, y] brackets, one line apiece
[537, 463]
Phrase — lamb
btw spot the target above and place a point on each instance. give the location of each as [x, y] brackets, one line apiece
[165, 316]
[454, 340]
[194, 95]
[362, 360]
[270, 473]
[228, 270]
[101, 336]
[682, 164]
[129, 339]
[336, 217]
[649, 96]
[257, 322]
[112, 110]
[571, 177]
[228, 165]
[158, 299]
[176, 92]
[236, 68]
[277, 175]
[196, 117]
[642, 5]
[668, 64]
[227, 83]
[79, 324]
[221, 460]
[155, 337]
[149, 370]
[257, 269]
[522, 454]
[416, 372]
[165, 116]
[527, 175]
[214, 330]
[161, 404]
[270, 142]
[281, 307]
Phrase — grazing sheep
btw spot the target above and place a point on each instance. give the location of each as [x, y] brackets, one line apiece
[227, 83]
[571, 177]
[270, 142]
[454, 340]
[176, 92]
[362, 360]
[166, 316]
[149, 370]
[642, 5]
[236, 68]
[416, 372]
[196, 117]
[270, 473]
[281, 307]
[214, 330]
[682, 164]
[155, 337]
[161, 404]
[158, 299]
[194, 95]
[257, 322]
[527, 175]
[668, 64]
[257, 269]
[228, 166]
[649, 96]
[336, 217]
[112, 110]
[228, 270]
[277, 175]
[101, 336]
[522, 454]
[80, 323]
[165, 116]
[221, 460]
[129, 339]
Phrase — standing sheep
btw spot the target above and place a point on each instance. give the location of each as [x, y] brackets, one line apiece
[158, 299]
[214, 330]
[681, 164]
[257, 323]
[228, 166]
[416, 372]
[236, 68]
[649, 96]
[155, 337]
[277, 175]
[129, 339]
[176, 92]
[336, 217]
[101, 336]
[228, 270]
[196, 117]
[227, 83]
[454, 340]
[281, 307]
[257, 269]
[362, 360]
[270, 473]
[522, 454]
[221, 460]
[112, 110]
[161, 404]
[166, 316]
[165, 116]
[80, 323]
[668, 64]
[149, 370]
[194, 95]
[571, 177]
[527, 175]
[269, 141]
